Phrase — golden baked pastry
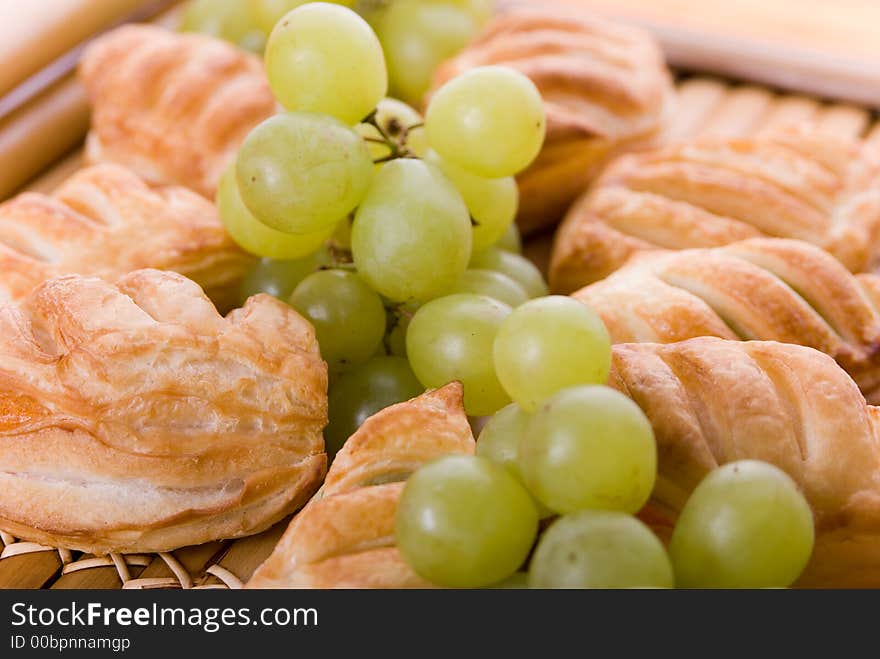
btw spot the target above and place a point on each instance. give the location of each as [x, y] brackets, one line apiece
[796, 183]
[770, 289]
[172, 107]
[712, 401]
[133, 417]
[105, 221]
[605, 86]
[344, 538]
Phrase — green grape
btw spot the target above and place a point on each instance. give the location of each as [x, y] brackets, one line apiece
[510, 240]
[489, 121]
[232, 20]
[515, 581]
[450, 338]
[412, 236]
[480, 10]
[325, 58]
[597, 549]
[465, 522]
[302, 173]
[341, 237]
[363, 391]
[417, 37]
[500, 438]
[268, 12]
[549, 344]
[280, 278]
[396, 118]
[254, 236]
[492, 284]
[492, 202]
[517, 267]
[746, 525]
[589, 447]
[348, 316]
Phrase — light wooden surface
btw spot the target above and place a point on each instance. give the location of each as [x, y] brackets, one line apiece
[829, 48]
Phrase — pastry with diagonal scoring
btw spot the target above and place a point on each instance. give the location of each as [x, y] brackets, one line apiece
[344, 538]
[105, 221]
[795, 183]
[172, 107]
[770, 289]
[605, 87]
[133, 417]
[712, 401]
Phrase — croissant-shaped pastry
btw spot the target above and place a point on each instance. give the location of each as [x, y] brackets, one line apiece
[105, 221]
[133, 417]
[712, 401]
[771, 289]
[793, 183]
[605, 88]
[172, 107]
[344, 538]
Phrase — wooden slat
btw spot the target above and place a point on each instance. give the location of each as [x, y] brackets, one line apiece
[29, 570]
[246, 555]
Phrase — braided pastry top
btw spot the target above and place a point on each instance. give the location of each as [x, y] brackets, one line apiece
[105, 221]
[344, 538]
[795, 183]
[172, 107]
[605, 88]
[712, 401]
[133, 417]
[770, 289]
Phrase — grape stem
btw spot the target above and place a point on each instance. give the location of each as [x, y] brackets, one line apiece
[397, 147]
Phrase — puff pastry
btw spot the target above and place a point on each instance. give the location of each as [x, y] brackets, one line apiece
[172, 107]
[105, 221]
[713, 401]
[344, 538]
[605, 86]
[795, 183]
[133, 417]
[764, 288]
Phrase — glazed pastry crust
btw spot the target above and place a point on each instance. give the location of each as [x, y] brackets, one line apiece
[344, 538]
[605, 86]
[795, 183]
[172, 107]
[765, 288]
[133, 417]
[712, 401]
[105, 221]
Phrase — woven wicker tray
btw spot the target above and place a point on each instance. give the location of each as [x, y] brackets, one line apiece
[707, 106]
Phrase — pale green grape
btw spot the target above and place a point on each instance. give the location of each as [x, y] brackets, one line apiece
[480, 10]
[548, 344]
[279, 278]
[500, 437]
[417, 37]
[510, 240]
[254, 236]
[493, 284]
[515, 581]
[268, 12]
[363, 391]
[232, 20]
[746, 525]
[450, 338]
[465, 522]
[325, 58]
[301, 173]
[492, 202]
[341, 237]
[396, 118]
[597, 549]
[489, 121]
[589, 447]
[517, 267]
[412, 235]
[348, 316]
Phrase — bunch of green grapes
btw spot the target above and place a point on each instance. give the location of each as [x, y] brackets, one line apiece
[363, 215]
[579, 452]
